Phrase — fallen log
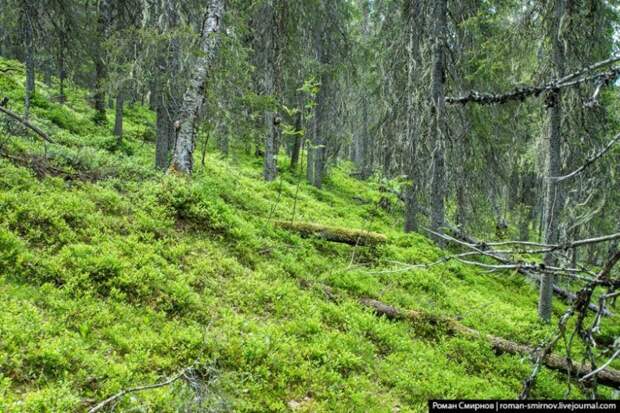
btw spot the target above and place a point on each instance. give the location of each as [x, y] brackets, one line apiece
[27, 124]
[605, 376]
[608, 377]
[334, 234]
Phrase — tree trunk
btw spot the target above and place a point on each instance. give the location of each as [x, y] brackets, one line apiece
[365, 161]
[438, 181]
[165, 94]
[354, 237]
[363, 141]
[526, 203]
[552, 206]
[524, 223]
[222, 140]
[28, 33]
[165, 131]
[310, 150]
[606, 376]
[48, 72]
[118, 118]
[317, 151]
[411, 201]
[62, 74]
[268, 19]
[103, 26]
[387, 160]
[194, 95]
[272, 18]
[298, 141]
[319, 135]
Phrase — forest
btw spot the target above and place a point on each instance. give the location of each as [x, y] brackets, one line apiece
[307, 205]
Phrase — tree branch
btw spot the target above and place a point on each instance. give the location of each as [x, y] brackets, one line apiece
[29, 125]
[589, 162]
[124, 392]
[521, 93]
[527, 269]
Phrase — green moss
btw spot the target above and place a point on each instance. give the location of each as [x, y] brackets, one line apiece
[124, 281]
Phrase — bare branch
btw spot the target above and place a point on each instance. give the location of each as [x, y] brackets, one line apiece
[551, 247]
[579, 308]
[603, 367]
[589, 162]
[593, 66]
[527, 269]
[124, 392]
[27, 124]
[521, 93]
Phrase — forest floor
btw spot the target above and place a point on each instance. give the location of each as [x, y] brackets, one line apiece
[113, 275]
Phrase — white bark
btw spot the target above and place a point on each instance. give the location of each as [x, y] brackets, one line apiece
[194, 95]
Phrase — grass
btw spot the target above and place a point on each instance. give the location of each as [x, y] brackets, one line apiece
[124, 281]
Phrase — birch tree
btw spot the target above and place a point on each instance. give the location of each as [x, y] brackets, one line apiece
[194, 95]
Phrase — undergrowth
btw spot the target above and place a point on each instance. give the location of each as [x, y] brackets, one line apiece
[124, 280]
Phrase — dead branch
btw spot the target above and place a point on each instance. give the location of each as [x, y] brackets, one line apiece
[27, 124]
[334, 234]
[588, 162]
[603, 367]
[524, 266]
[552, 247]
[122, 393]
[587, 69]
[41, 166]
[593, 101]
[525, 269]
[521, 93]
[579, 309]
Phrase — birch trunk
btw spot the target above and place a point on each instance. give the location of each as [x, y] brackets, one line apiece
[194, 95]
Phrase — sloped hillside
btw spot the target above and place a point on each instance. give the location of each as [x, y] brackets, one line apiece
[114, 276]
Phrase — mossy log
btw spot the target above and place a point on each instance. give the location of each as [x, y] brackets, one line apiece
[608, 377]
[334, 234]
